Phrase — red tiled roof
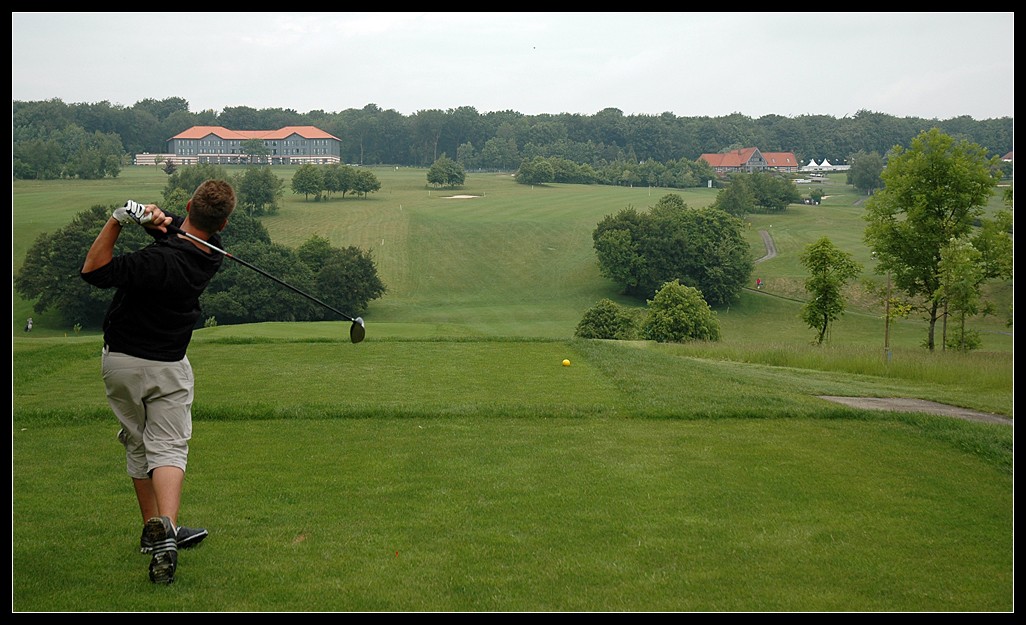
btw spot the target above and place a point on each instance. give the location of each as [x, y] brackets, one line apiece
[734, 158]
[307, 132]
[198, 132]
[780, 159]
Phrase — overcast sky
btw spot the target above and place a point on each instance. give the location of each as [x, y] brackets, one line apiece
[929, 65]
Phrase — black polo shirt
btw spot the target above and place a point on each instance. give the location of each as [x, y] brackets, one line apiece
[156, 306]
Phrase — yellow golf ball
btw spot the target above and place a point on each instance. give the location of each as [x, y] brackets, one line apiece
[566, 362]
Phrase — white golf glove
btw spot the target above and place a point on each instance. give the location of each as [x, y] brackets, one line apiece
[132, 212]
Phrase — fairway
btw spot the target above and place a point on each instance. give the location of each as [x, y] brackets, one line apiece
[452, 462]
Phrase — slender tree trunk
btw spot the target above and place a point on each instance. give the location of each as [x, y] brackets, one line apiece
[944, 328]
[961, 334]
[933, 325]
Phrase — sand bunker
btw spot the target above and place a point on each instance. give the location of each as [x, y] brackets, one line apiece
[459, 197]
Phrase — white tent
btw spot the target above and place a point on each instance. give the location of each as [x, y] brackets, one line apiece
[825, 163]
[812, 163]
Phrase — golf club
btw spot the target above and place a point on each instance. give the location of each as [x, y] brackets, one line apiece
[356, 331]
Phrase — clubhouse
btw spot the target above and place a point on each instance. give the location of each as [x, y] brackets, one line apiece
[751, 160]
[291, 145]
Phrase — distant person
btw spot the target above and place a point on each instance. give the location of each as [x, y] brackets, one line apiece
[146, 331]
[28, 325]
[758, 283]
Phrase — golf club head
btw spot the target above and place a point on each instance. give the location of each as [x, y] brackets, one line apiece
[357, 331]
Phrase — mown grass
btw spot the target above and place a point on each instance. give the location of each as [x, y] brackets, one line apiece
[465, 513]
[451, 463]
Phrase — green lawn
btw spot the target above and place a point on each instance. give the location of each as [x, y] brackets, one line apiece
[451, 463]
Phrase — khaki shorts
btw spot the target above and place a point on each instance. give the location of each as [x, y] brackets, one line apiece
[153, 402]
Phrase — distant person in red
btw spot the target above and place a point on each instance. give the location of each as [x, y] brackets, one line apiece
[758, 283]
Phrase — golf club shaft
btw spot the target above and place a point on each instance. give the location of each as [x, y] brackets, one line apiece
[177, 230]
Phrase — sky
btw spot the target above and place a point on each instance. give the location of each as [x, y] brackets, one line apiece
[927, 65]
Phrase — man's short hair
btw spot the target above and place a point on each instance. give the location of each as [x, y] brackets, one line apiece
[212, 203]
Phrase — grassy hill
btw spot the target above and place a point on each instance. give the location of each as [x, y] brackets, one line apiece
[495, 258]
[450, 462]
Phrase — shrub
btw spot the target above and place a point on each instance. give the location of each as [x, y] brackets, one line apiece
[608, 320]
[679, 313]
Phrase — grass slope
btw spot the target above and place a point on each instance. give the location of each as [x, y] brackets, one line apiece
[451, 463]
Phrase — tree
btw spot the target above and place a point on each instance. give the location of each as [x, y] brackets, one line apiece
[187, 179]
[37, 159]
[829, 270]
[256, 150]
[50, 273]
[244, 230]
[773, 192]
[339, 179]
[865, 171]
[67, 151]
[258, 191]
[502, 139]
[618, 252]
[308, 180]
[238, 294]
[446, 172]
[366, 182]
[500, 153]
[466, 155]
[427, 126]
[92, 156]
[535, 171]
[747, 192]
[608, 320]
[961, 273]
[347, 277]
[736, 198]
[678, 314]
[993, 239]
[700, 247]
[933, 192]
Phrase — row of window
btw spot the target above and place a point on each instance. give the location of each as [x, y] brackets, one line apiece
[228, 146]
[287, 142]
[316, 151]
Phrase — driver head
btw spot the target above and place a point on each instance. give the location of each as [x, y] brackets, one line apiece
[357, 330]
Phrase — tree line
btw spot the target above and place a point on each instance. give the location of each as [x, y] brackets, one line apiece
[53, 139]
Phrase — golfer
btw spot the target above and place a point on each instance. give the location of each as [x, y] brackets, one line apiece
[146, 331]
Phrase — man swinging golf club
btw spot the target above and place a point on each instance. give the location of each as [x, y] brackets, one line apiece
[146, 332]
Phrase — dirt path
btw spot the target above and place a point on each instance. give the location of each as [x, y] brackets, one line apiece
[901, 404]
[771, 247]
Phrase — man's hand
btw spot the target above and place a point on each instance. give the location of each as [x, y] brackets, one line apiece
[132, 212]
[148, 215]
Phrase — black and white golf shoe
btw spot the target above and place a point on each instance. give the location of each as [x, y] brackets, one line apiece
[160, 532]
[187, 537]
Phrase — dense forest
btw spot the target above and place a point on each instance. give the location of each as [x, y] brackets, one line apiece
[53, 139]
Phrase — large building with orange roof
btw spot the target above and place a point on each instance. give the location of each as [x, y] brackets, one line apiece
[750, 160]
[746, 160]
[291, 145]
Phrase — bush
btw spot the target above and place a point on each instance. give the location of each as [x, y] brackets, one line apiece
[608, 320]
[678, 314]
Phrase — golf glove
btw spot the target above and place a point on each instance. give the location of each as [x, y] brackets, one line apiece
[132, 212]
